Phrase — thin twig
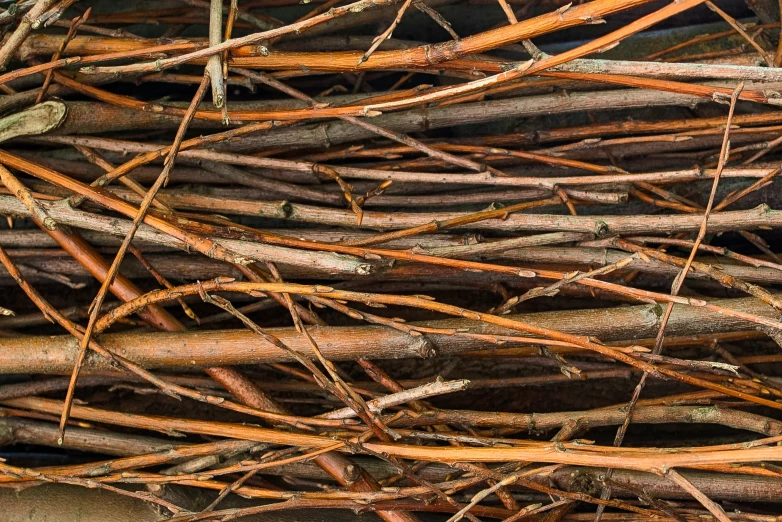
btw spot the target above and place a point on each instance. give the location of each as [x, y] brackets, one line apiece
[385, 35]
[413, 394]
[714, 508]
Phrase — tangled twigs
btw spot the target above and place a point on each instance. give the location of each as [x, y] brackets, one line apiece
[391, 267]
[331, 462]
[677, 284]
[109, 279]
[423, 302]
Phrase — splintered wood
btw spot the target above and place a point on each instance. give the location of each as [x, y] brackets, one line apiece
[408, 259]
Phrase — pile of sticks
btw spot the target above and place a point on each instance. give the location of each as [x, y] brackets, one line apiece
[415, 260]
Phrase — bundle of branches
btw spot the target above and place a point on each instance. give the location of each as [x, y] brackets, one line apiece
[407, 259]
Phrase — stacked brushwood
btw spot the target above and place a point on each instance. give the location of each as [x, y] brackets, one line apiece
[408, 259]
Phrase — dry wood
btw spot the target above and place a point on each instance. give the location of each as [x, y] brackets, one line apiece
[402, 244]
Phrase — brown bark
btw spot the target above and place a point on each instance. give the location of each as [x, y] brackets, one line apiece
[22, 355]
